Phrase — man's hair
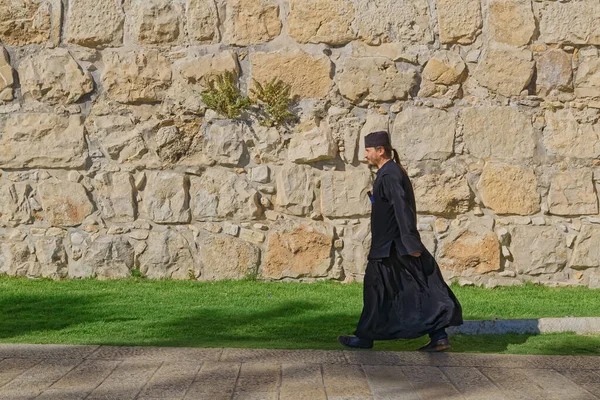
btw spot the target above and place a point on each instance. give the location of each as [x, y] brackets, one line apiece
[390, 152]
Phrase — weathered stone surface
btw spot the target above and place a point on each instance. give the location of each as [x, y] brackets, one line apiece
[509, 189]
[52, 258]
[554, 72]
[225, 257]
[574, 22]
[308, 76]
[459, 21]
[504, 70]
[118, 137]
[268, 144]
[95, 23]
[587, 79]
[219, 193]
[442, 194]
[225, 142]
[424, 134]
[445, 68]
[157, 21]
[168, 255]
[202, 21]
[347, 130]
[295, 189]
[16, 258]
[381, 21]
[42, 141]
[374, 79]
[473, 249]
[573, 193]
[249, 22]
[14, 203]
[312, 142]
[502, 133]
[586, 253]
[64, 203]
[297, 250]
[54, 77]
[357, 243]
[196, 71]
[166, 198]
[511, 21]
[109, 257]
[321, 21]
[565, 136]
[136, 76]
[537, 249]
[7, 79]
[115, 196]
[344, 194]
[29, 22]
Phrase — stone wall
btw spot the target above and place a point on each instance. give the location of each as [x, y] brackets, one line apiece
[111, 164]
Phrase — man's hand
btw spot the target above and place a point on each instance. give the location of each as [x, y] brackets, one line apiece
[416, 254]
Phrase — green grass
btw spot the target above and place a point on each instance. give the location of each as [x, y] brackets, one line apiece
[260, 315]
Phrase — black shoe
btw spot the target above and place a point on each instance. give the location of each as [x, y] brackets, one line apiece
[355, 342]
[439, 345]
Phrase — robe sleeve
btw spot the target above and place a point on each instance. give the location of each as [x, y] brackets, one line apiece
[406, 215]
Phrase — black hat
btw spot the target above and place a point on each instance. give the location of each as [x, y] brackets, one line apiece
[377, 139]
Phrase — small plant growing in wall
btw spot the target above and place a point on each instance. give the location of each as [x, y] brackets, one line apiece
[274, 100]
[223, 96]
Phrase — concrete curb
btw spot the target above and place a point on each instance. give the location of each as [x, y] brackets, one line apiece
[579, 325]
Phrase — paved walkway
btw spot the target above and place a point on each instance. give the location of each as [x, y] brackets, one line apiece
[104, 372]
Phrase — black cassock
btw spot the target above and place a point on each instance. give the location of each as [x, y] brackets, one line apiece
[404, 296]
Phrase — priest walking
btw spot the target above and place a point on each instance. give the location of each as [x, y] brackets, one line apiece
[405, 295]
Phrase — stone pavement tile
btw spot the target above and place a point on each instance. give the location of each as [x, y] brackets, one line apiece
[343, 381]
[126, 381]
[38, 378]
[283, 356]
[258, 378]
[473, 384]
[86, 376]
[389, 382]
[215, 381]
[302, 382]
[514, 383]
[62, 394]
[556, 386]
[172, 354]
[589, 380]
[564, 362]
[255, 396]
[13, 367]
[171, 381]
[431, 383]
[45, 351]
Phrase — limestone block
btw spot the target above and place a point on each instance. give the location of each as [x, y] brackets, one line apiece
[7, 79]
[424, 134]
[219, 194]
[95, 23]
[374, 79]
[195, 71]
[381, 21]
[537, 249]
[505, 70]
[586, 253]
[202, 21]
[357, 243]
[249, 22]
[572, 193]
[587, 79]
[312, 142]
[118, 137]
[348, 130]
[16, 258]
[574, 22]
[53, 76]
[14, 203]
[308, 76]
[442, 194]
[445, 68]
[296, 250]
[30, 22]
[473, 249]
[321, 21]
[502, 133]
[225, 142]
[166, 198]
[52, 258]
[115, 196]
[344, 194]
[141, 76]
[554, 72]
[157, 21]
[295, 189]
[511, 21]
[64, 203]
[225, 257]
[565, 136]
[509, 189]
[459, 21]
[42, 141]
[168, 255]
[109, 257]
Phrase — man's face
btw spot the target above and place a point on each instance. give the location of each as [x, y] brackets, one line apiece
[373, 155]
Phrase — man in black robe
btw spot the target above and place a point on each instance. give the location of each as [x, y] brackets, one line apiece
[404, 295]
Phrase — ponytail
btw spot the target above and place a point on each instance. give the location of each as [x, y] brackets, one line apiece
[393, 154]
